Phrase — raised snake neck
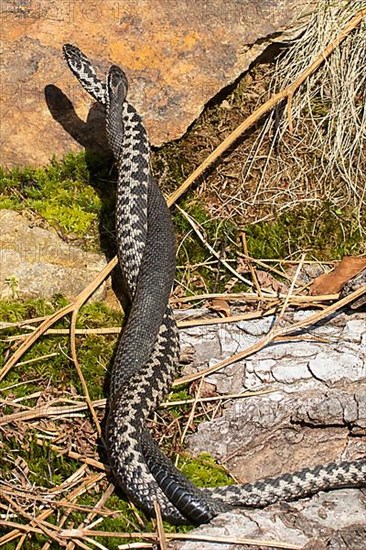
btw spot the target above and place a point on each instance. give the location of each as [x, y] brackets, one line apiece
[147, 354]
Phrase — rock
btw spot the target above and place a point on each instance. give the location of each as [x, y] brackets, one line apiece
[317, 396]
[335, 520]
[176, 57]
[36, 262]
[315, 413]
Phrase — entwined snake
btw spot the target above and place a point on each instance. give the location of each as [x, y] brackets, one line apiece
[145, 363]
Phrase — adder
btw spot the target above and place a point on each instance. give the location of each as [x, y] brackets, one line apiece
[146, 360]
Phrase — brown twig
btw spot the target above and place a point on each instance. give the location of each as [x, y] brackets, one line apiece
[223, 320]
[199, 234]
[79, 371]
[267, 106]
[77, 456]
[160, 527]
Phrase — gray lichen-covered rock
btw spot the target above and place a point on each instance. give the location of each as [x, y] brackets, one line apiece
[308, 407]
[36, 262]
[336, 521]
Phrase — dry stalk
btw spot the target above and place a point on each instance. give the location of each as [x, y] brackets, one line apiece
[26, 495]
[273, 300]
[43, 526]
[251, 268]
[267, 106]
[71, 410]
[192, 411]
[290, 291]
[96, 511]
[79, 371]
[82, 545]
[307, 154]
[229, 319]
[212, 251]
[82, 488]
[82, 533]
[161, 536]
[77, 456]
[253, 297]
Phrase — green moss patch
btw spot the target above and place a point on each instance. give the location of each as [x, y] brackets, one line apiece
[70, 194]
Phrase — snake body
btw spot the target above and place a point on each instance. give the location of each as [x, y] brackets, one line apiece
[145, 362]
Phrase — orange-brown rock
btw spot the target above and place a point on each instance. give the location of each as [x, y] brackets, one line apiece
[177, 54]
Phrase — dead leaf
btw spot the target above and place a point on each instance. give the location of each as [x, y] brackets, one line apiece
[333, 282]
[206, 389]
[198, 282]
[220, 305]
[243, 266]
[230, 284]
[266, 281]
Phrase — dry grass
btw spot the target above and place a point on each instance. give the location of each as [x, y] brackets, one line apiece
[313, 149]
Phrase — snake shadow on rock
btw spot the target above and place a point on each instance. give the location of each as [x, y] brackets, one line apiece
[102, 177]
[90, 135]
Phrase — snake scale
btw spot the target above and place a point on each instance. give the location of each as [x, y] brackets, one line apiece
[148, 351]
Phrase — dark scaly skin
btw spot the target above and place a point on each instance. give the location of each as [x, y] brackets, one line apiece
[125, 132]
[145, 366]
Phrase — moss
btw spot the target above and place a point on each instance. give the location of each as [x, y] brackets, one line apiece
[324, 234]
[47, 468]
[94, 351]
[203, 471]
[98, 314]
[178, 394]
[125, 521]
[70, 194]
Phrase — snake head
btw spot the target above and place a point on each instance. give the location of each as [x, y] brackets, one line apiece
[117, 83]
[84, 71]
[74, 57]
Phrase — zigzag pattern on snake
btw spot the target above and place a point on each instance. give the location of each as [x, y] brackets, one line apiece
[147, 354]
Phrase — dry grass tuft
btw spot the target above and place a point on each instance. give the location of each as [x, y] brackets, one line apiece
[313, 149]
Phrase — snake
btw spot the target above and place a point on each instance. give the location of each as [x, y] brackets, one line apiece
[147, 355]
